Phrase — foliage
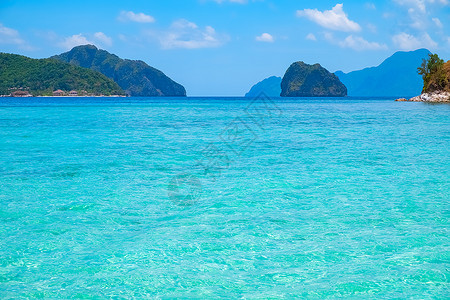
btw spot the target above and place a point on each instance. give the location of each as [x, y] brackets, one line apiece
[43, 76]
[434, 75]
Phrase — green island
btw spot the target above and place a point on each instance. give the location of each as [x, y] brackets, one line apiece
[135, 77]
[304, 80]
[23, 76]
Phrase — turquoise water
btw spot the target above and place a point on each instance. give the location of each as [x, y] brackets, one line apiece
[224, 198]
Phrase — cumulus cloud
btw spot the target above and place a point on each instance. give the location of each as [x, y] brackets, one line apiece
[354, 42]
[334, 19]
[126, 16]
[12, 37]
[73, 41]
[419, 14]
[311, 37]
[414, 5]
[103, 38]
[420, 5]
[187, 35]
[360, 44]
[404, 41]
[265, 37]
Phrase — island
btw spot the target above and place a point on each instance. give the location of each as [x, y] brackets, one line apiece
[21, 76]
[135, 77]
[271, 87]
[303, 80]
[396, 76]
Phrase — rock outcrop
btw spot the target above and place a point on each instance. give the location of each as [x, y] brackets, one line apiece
[303, 80]
[135, 77]
[436, 97]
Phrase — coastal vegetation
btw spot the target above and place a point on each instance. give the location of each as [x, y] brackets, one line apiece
[435, 74]
[436, 81]
[41, 77]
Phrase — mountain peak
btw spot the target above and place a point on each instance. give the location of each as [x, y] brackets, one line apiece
[135, 77]
[395, 76]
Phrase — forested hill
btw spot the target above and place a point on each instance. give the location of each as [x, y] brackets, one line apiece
[135, 77]
[43, 76]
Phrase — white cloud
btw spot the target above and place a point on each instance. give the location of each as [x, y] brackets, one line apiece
[73, 41]
[187, 35]
[103, 38]
[360, 44]
[311, 37]
[334, 19]
[414, 5]
[12, 37]
[419, 12]
[354, 42]
[420, 6]
[125, 16]
[405, 41]
[437, 22]
[265, 37]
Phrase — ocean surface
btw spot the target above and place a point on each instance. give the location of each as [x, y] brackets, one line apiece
[224, 198]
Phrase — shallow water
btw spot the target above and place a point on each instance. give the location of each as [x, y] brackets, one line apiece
[224, 197]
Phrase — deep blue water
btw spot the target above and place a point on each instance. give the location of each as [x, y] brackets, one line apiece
[224, 198]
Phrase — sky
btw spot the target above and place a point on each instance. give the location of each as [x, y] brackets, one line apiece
[223, 47]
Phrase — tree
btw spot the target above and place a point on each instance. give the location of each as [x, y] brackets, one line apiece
[433, 74]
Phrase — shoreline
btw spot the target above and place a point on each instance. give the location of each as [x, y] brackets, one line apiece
[435, 97]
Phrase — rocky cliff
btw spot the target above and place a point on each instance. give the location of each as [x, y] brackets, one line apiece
[303, 80]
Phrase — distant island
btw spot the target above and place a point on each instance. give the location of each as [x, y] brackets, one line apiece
[396, 76]
[436, 80]
[135, 77]
[270, 86]
[22, 76]
[303, 80]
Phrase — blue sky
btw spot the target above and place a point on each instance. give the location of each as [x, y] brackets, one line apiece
[223, 47]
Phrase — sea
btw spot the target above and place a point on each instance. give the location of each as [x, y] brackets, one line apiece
[234, 198]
